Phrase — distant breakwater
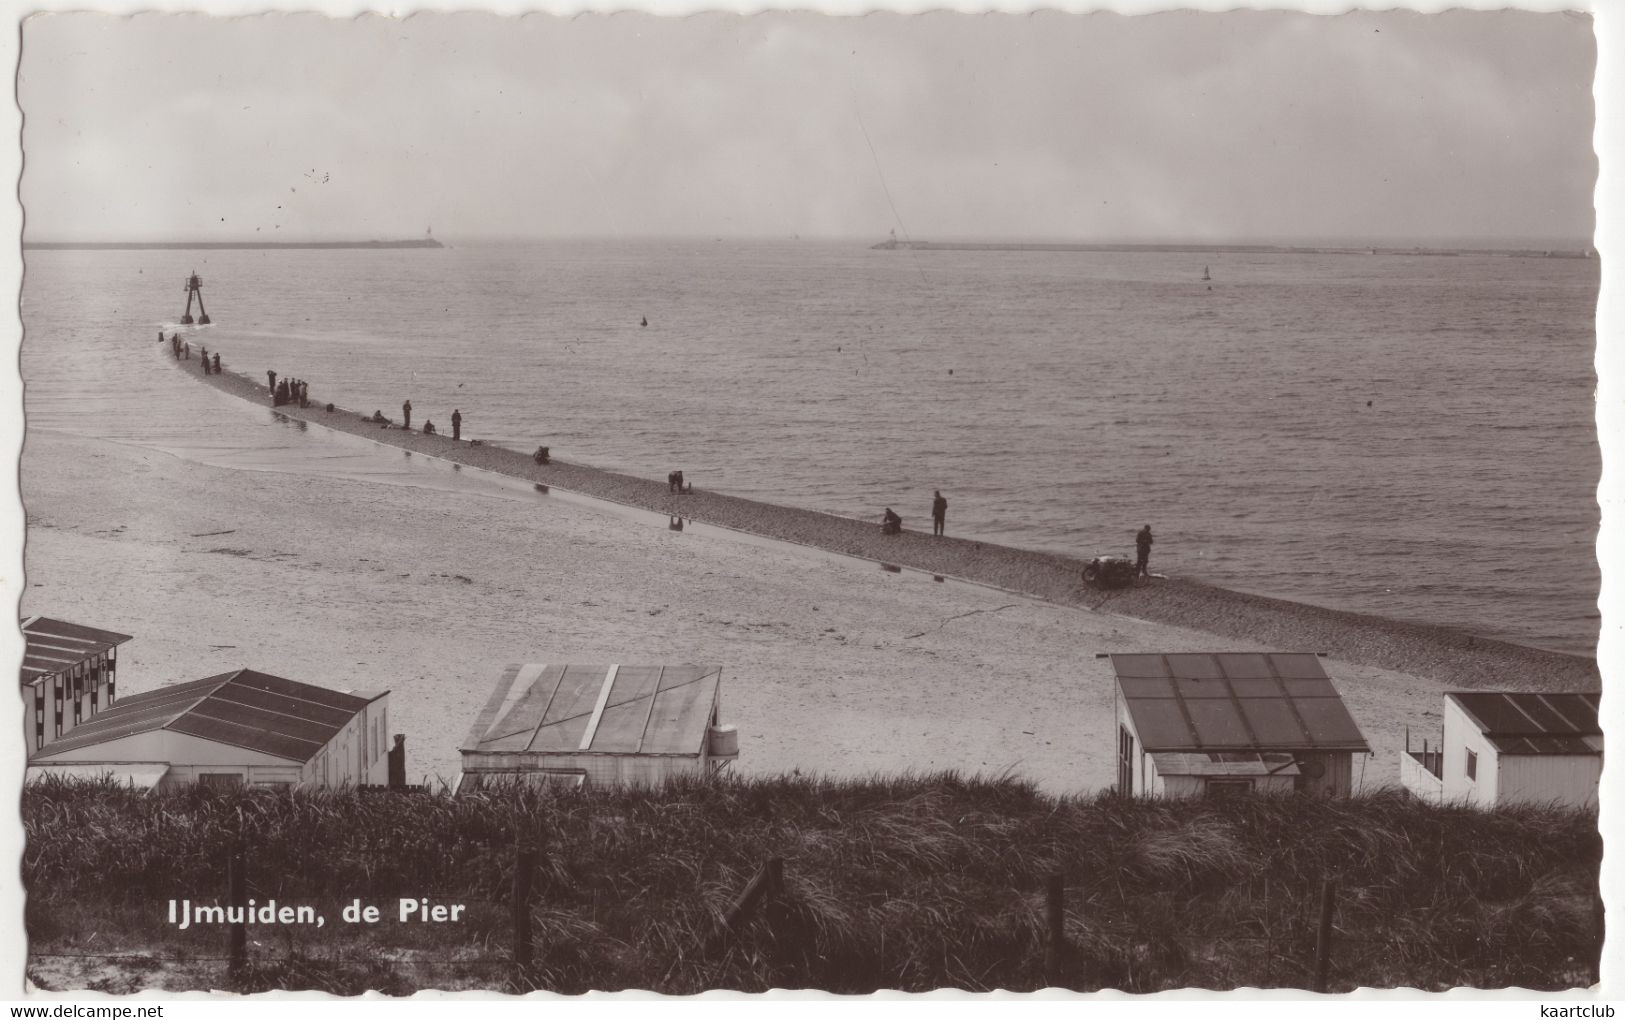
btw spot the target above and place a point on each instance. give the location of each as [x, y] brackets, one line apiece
[1243, 621]
[1225, 249]
[425, 242]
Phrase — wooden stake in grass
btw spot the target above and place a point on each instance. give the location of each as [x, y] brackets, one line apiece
[767, 881]
[1323, 935]
[524, 868]
[1055, 945]
[237, 895]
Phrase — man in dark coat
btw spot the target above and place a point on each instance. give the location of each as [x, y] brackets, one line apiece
[406, 415]
[939, 514]
[456, 425]
[1142, 546]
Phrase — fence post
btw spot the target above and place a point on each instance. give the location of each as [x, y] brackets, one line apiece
[1055, 915]
[769, 880]
[1323, 935]
[237, 896]
[523, 870]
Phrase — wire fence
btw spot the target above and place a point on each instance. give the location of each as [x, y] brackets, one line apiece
[1314, 953]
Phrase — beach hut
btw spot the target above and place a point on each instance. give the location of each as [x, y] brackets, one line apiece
[235, 729]
[598, 725]
[1194, 724]
[1502, 747]
[68, 676]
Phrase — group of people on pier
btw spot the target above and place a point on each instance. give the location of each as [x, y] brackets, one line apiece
[892, 524]
[288, 391]
[428, 426]
[182, 350]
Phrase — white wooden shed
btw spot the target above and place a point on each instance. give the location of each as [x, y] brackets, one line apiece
[1217, 723]
[235, 729]
[598, 725]
[69, 675]
[1512, 747]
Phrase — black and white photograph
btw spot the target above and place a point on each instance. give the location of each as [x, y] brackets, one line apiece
[1004, 502]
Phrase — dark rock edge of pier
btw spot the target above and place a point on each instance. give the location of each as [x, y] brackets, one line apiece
[1243, 620]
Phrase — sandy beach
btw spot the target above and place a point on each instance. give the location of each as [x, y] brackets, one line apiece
[830, 665]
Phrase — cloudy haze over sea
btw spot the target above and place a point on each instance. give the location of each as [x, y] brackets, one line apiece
[1468, 127]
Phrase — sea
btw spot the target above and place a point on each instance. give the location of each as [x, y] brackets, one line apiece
[1406, 435]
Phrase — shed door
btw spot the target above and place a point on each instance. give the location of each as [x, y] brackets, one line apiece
[1125, 761]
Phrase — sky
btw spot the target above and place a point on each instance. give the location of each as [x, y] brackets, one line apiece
[1465, 127]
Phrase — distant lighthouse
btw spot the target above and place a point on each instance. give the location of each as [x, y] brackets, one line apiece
[194, 286]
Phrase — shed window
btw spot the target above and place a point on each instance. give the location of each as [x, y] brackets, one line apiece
[220, 780]
[1228, 787]
[1472, 765]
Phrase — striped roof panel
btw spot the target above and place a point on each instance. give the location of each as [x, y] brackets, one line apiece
[53, 646]
[244, 708]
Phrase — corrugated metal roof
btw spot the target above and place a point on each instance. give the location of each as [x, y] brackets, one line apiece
[1524, 723]
[244, 708]
[55, 645]
[597, 709]
[1235, 701]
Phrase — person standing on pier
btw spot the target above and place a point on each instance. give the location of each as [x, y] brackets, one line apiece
[406, 415]
[217, 364]
[456, 425]
[304, 394]
[939, 514]
[205, 360]
[1142, 547]
[271, 375]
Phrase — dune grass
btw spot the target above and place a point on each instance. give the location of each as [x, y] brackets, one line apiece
[906, 882]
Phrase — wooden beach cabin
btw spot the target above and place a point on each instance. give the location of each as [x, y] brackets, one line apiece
[1502, 747]
[242, 728]
[598, 725]
[1212, 724]
[68, 676]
